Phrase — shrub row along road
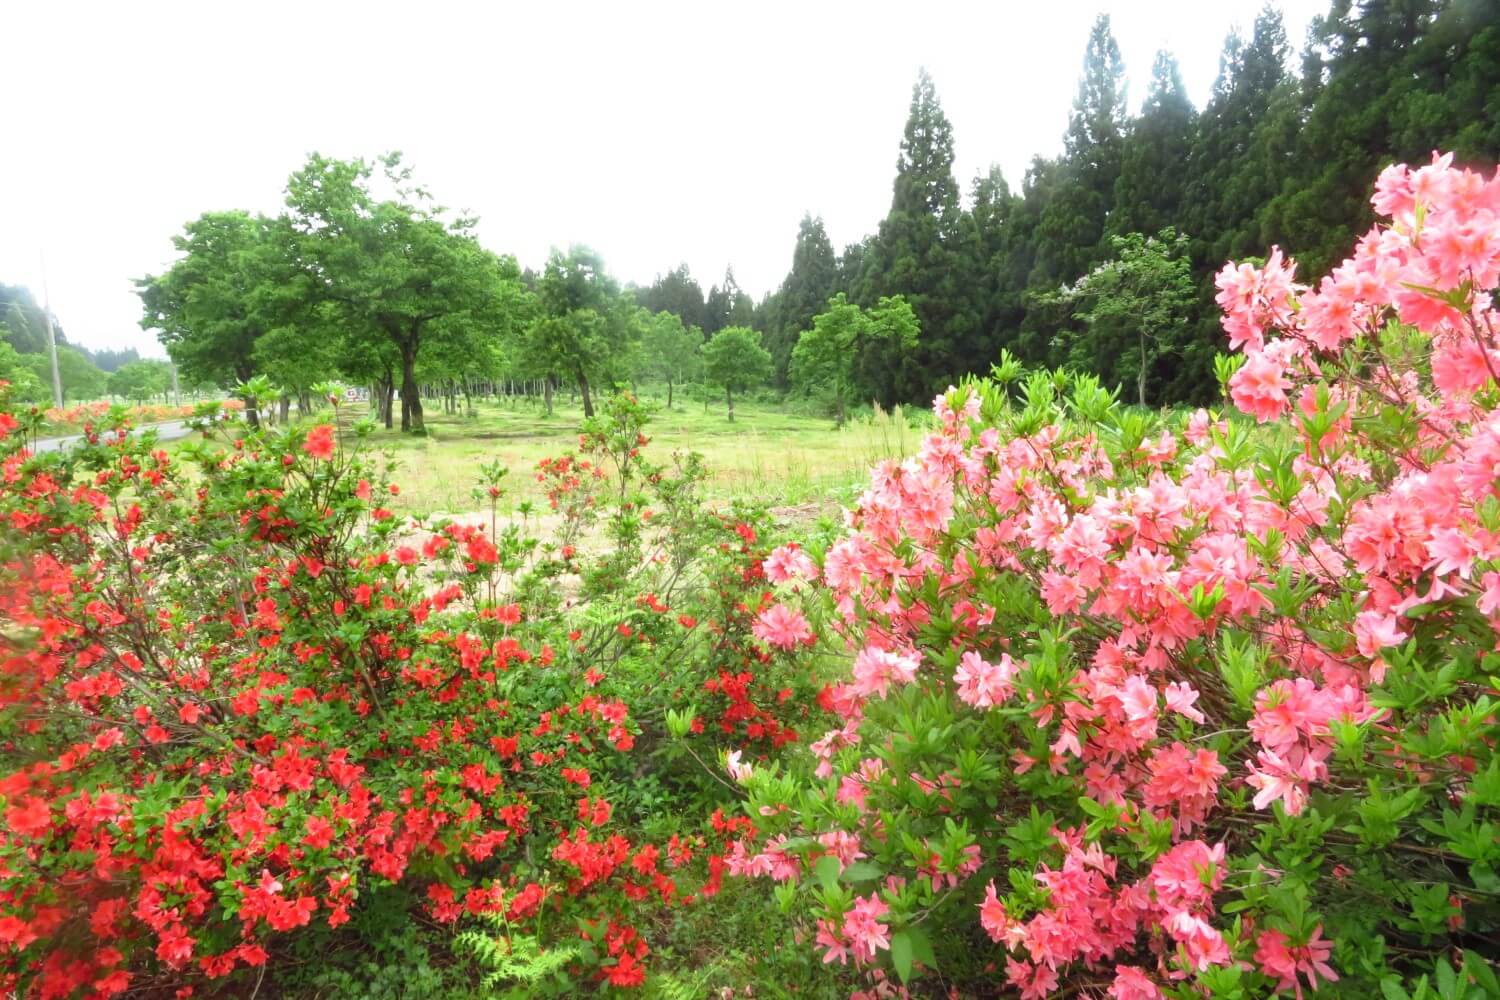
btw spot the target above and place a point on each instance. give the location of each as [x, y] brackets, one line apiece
[170, 430]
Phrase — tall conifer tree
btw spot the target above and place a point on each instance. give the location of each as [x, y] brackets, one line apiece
[1070, 237]
[914, 254]
[809, 285]
[1153, 164]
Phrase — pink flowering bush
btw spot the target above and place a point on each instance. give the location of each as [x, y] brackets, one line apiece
[1148, 706]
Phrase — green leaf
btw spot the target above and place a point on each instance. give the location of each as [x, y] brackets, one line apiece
[827, 871]
[1482, 972]
[1447, 981]
[1392, 989]
[901, 954]
[861, 871]
[921, 947]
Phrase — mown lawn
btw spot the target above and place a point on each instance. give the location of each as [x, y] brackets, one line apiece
[767, 453]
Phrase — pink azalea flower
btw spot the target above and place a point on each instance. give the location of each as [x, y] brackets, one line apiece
[1034, 981]
[875, 670]
[1138, 698]
[835, 949]
[842, 845]
[983, 684]
[1132, 983]
[1201, 944]
[992, 916]
[1282, 961]
[1259, 387]
[782, 626]
[739, 772]
[863, 930]
[789, 563]
[1180, 697]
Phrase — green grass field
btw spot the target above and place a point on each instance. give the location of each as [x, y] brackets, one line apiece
[766, 454]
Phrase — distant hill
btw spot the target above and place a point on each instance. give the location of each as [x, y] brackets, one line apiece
[24, 326]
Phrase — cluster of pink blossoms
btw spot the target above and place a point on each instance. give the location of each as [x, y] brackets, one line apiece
[1152, 560]
[860, 935]
[1089, 917]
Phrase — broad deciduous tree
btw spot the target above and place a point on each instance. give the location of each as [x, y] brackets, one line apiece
[394, 265]
[736, 361]
[211, 307]
[850, 351]
[670, 351]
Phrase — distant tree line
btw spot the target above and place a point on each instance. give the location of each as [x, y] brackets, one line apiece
[1279, 155]
[1102, 261]
[364, 277]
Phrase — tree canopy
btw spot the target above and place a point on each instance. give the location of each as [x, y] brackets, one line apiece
[735, 361]
[850, 352]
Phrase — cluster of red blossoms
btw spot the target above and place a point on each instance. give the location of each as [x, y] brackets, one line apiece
[238, 701]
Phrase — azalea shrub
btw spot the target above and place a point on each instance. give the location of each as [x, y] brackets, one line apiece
[83, 417]
[1155, 705]
[250, 716]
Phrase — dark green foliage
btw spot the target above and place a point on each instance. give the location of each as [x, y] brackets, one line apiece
[141, 381]
[1071, 232]
[109, 361]
[397, 273]
[214, 304]
[677, 292]
[1394, 80]
[727, 305]
[993, 262]
[811, 283]
[26, 363]
[917, 252]
[22, 323]
[1133, 313]
[849, 353]
[1230, 172]
[586, 330]
[1153, 163]
[1275, 157]
[81, 380]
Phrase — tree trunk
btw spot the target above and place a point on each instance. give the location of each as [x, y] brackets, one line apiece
[547, 393]
[411, 393]
[252, 416]
[729, 395]
[285, 406]
[669, 394]
[583, 387]
[1140, 379]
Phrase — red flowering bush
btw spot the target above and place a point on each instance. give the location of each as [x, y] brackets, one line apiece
[1151, 708]
[82, 417]
[242, 704]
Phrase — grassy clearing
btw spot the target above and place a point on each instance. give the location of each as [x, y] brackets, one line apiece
[767, 454]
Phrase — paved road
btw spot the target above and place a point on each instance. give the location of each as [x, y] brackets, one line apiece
[171, 430]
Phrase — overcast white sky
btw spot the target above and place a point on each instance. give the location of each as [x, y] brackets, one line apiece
[657, 133]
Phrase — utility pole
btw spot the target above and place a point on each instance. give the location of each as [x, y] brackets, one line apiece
[57, 397]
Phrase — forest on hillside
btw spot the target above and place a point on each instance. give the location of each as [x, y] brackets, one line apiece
[82, 373]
